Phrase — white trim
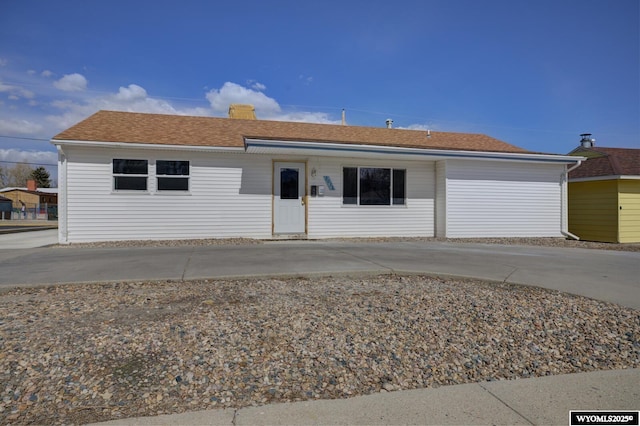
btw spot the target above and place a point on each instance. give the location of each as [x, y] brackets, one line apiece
[266, 146]
[153, 146]
[63, 222]
[610, 177]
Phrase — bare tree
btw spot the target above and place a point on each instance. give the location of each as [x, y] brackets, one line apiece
[18, 175]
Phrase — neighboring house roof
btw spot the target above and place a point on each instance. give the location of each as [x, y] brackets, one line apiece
[40, 191]
[603, 162]
[127, 127]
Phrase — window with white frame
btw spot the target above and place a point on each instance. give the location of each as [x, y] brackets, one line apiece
[130, 175]
[172, 175]
[373, 186]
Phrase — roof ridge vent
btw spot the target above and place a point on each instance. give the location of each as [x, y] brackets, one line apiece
[242, 111]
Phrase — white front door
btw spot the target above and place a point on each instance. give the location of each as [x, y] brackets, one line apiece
[289, 198]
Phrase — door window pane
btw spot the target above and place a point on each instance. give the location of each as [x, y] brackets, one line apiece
[288, 184]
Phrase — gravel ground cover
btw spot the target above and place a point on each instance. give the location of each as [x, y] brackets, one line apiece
[545, 242]
[86, 353]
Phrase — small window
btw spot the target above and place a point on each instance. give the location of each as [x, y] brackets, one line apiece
[130, 175]
[172, 175]
[373, 186]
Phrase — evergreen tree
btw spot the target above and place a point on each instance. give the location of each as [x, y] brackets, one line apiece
[42, 177]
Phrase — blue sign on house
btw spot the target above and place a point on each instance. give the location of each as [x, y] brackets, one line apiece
[327, 180]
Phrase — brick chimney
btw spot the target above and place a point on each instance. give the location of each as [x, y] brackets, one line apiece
[246, 112]
[31, 185]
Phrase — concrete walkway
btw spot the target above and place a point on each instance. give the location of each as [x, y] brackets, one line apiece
[26, 237]
[540, 401]
[612, 276]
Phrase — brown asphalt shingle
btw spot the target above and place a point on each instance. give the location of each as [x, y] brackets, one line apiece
[111, 126]
[608, 162]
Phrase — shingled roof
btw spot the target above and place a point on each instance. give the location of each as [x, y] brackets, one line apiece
[607, 162]
[128, 127]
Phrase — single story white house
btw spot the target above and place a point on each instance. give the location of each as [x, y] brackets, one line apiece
[134, 176]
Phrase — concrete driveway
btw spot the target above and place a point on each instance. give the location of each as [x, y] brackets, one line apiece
[612, 276]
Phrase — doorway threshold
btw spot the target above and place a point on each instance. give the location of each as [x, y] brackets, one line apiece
[289, 237]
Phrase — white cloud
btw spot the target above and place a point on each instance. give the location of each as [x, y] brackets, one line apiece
[424, 127]
[256, 85]
[37, 157]
[131, 93]
[14, 126]
[71, 83]
[132, 98]
[46, 73]
[31, 72]
[16, 92]
[306, 79]
[307, 117]
[232, 93]
[3, 62]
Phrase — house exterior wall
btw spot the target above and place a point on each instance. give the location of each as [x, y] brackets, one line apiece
[502, 199]
[629, 210]
[328, 217]
[230, 196]
[593, 210]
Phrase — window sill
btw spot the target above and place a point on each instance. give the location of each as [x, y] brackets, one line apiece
[173, 193]
[129, 192]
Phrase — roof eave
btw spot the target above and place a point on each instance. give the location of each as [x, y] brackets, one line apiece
[607, 177]
[138, 145]
[269, 146]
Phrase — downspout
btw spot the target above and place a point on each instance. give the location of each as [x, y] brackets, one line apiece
[565, 202]
[63, 233]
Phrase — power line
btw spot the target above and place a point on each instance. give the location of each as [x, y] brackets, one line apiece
[23, 138]
[28, 162]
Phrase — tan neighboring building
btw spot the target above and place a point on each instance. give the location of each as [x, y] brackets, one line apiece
[37, 202]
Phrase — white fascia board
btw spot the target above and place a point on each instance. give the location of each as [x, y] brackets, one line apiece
[610, 177]
[153, 146]
[265, 146]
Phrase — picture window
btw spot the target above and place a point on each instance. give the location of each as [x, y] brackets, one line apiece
[373, 186]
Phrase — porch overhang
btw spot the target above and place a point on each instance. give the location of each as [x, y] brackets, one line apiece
[325, 149]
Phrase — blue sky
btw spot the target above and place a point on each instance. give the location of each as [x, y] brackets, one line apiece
[533, 73]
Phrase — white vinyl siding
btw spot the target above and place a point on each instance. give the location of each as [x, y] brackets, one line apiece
[230, 196]
[502, 199]
[328, 217]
